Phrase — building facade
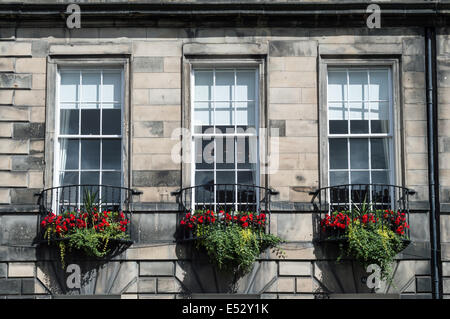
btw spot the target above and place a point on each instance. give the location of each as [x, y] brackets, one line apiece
[327, 99]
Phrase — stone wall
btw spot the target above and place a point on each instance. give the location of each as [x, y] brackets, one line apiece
[154, 266]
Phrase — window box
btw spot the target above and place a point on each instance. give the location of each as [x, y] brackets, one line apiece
[230, 222]
[369, 221]
[94, 219]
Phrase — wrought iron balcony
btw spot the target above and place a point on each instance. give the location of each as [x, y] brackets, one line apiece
[82, 198]
[228, 203]
[337, 207]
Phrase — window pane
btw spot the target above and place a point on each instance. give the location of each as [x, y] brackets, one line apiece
[359, 153]
[338, 178]
[379, 85]
[111, 121]
[224, 86]
[360, 177]
[380, 177]
[111, 154]
[69, 154]
[380, 153]
[247, 156]
[90, 89]
[90, 122]
[359, 115]
[225, 193]
[245, 86]
[112, 86]
[92, 179]
[246, 177]
[338, 153]
[70, 83]
[338, 116]
[337, 86]
[203, 85]
[68, 121]
[225, 152]
[90, 154]
[68, 178]
[204, 153]
[245, 113]
[379, 115]
[111, 179]
[224, 115]
[203, 115]
[204, 194]
[358, 86]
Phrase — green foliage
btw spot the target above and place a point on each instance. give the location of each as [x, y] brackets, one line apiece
[372, 244]
[233, 248]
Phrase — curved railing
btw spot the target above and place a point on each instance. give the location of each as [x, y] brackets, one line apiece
[222, 199]
[72, 198]
[377, 201]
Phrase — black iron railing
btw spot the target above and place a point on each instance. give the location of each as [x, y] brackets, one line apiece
[74, 198]
[374, 203]
[232, 201]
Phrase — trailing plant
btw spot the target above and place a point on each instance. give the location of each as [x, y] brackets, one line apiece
[233, 241]
[88, 230]
[370, 236]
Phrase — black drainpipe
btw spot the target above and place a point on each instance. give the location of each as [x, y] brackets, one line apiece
[433, 159]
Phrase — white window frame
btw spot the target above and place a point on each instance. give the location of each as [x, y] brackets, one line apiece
[388, 136]
[57, 141]
[235, 135]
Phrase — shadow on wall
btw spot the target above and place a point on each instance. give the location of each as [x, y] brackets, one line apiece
[332, 276]
[82, 275]
[198, 276]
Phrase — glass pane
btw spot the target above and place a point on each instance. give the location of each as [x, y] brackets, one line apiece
[379, 115]
[360, 177]
[112, 86]
[70, 83]
[338, 116]
[111, 179]
[359, 115]
[247, 156]
[225, 152]
[224, 114]
[246, 177]
[337, 86]
[69, 154]
[90, 89]
[245, 113]
[245, 86]
[379, 85]
[68, 121]
[338, 153]
[226, 193]
[338, 178]
[359, 153]
[203, 115]
[111, 121]
[203, 85]
[68, 178]
[90, 122]
[90, 154]
[111, 154]
[380, 153]
[223, 91]
[204, 194]
[92, 179]
[204, 153]
[358, 87]
[380, 177]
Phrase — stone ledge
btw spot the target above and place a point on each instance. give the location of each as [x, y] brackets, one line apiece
[225, 49]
